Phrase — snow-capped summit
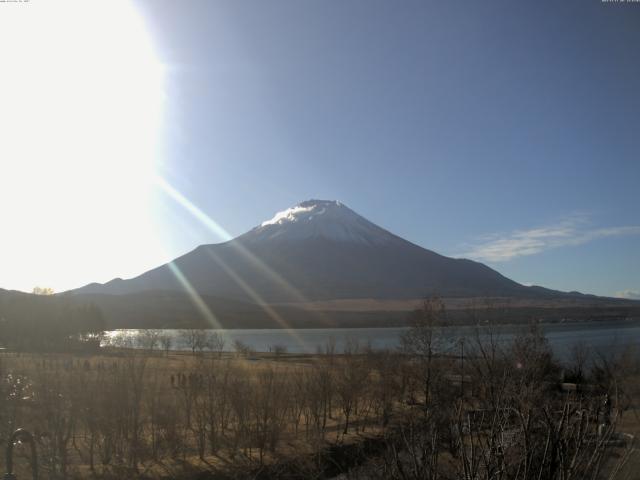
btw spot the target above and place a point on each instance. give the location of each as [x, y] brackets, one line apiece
[303, 211]
[325, 219]
[317, 250]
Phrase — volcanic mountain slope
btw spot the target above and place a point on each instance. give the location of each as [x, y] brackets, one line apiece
[319, 264]
[319, 250]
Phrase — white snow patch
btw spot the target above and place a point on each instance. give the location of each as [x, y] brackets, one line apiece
[290, 214]
[321, 219]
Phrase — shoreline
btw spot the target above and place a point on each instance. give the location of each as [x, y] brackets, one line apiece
[542, 324]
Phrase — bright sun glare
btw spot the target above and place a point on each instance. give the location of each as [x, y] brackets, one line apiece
[80, 112]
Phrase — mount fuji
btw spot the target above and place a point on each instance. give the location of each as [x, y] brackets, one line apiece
[317, 250]
[318, 254]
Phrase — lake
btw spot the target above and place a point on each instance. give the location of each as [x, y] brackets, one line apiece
[602, 337]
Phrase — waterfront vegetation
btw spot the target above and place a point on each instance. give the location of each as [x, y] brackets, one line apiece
[486, 411]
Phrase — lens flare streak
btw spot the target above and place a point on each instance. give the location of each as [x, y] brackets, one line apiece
[195, 297]
[215, 228]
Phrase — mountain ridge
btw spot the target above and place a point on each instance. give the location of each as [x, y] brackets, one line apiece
[320, 251]
[357, 256]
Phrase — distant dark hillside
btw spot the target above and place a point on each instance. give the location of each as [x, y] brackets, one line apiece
[156, 309]
[35, 322]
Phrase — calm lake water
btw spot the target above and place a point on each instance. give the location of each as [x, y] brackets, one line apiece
[602, 337]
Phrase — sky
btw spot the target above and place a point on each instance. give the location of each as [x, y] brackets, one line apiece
[506, 132]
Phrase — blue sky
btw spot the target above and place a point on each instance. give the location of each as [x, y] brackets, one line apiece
[503, 131]
[461, 126]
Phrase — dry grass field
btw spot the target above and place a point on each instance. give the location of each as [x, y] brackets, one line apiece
[126, 413]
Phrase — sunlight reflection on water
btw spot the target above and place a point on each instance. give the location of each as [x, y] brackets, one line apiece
[600, 337]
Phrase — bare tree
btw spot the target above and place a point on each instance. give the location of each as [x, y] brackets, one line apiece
[422, 341]
[351, 380]
[166, 342]
[278, 350]
[215, 342]
[149, 339]
[195, 339]
[242, 348]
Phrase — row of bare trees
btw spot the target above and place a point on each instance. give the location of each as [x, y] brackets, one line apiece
[490, 410]
[196, 340]
[505, 414]
[137, 409]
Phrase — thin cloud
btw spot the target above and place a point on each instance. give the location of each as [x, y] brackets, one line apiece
[629, 294]
[520, 243]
